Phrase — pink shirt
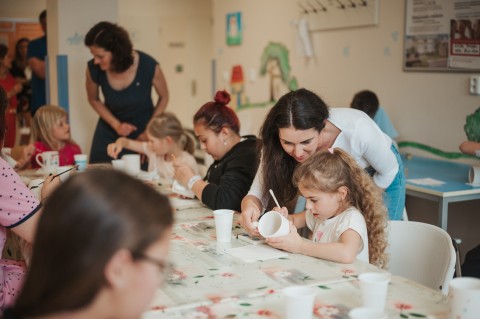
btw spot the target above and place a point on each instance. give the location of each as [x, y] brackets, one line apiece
[17, 204]
[65, 155]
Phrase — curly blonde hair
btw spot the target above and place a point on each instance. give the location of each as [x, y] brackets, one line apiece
[328, 171]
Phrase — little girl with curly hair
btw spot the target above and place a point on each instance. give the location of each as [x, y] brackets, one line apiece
[344, 211]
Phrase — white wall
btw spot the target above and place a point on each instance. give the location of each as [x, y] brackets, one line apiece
[425, 107]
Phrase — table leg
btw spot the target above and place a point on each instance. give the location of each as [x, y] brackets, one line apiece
[443, 213]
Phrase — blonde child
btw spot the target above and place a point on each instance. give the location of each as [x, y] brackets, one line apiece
[344, 211]
[52, 133]
[166, 139]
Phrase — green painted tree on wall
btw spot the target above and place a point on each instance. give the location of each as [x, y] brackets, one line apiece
[472, 126]
[275, 63]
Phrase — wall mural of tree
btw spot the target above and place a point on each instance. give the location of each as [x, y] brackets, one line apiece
[275, 63]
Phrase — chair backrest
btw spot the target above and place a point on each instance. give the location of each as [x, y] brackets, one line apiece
[421, 252]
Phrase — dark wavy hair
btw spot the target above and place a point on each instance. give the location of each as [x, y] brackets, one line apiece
[84, 223]
[217, 114]
[366, 101]
[114, 39]
[18, 55]
[301, 109]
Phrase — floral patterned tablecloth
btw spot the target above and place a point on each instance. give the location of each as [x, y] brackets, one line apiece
[209, 283]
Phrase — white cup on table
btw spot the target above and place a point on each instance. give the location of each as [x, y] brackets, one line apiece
[299, 301]
[223, 224]
[118, 164]
[49, 161]
[474, 175]
[63, 171]
[374, 287]
[132, 163]
[273, 224]
[464, 298]
[80, 161]
[366, 313]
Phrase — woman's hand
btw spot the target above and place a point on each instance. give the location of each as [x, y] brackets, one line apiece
[183, 172]
[125, 129]
[113, 149]
[249, 219]
[291, 242]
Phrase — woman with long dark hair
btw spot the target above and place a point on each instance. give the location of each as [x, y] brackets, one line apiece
[300, 124]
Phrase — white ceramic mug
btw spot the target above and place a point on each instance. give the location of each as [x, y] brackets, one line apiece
[49, 161]
[132, 163]
[464, 297]
[118, 164]
[273, 224]
[35, 186]
[63, 171]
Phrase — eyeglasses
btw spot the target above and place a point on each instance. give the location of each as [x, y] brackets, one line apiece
[166, 268]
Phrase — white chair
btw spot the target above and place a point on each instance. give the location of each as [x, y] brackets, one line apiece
[421, 252]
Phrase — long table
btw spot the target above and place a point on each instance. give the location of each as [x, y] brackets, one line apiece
[454, 185]
[210, 283]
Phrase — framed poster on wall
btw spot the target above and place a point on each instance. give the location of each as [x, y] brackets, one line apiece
[442, 35]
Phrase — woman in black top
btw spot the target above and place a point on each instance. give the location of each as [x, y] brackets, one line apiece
[229, 178]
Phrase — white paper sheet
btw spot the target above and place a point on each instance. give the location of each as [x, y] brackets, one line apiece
[426, 181]
[251, 253]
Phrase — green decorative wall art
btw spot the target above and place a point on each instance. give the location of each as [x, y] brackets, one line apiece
[234, 28]
[472, 126]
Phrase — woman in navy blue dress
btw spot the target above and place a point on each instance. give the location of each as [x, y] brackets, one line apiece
[126, 77]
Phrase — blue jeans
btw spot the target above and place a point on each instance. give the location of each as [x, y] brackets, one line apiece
[394, 195]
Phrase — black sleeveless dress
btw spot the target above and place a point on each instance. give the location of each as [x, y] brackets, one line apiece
[133, 105]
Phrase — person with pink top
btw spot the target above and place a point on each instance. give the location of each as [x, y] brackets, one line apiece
[19, 213]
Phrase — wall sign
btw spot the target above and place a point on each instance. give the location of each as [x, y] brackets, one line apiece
[442, 35]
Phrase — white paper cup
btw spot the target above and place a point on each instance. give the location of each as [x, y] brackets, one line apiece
[273, 224]
[299, 302]
[62, 169]
[474, 176]
[223, 224]
[464, 298]
[366, 313]
[118, 164]
[81, 161]
[374, 287]
[49, 161]
[132, 163]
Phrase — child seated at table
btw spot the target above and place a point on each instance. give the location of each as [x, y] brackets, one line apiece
[344, 211]
[51, 132]
[166, 140]
[100, 250]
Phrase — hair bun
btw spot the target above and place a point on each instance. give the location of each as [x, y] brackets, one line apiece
[222, 97]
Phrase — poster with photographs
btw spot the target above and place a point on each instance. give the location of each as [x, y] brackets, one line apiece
[442, 35]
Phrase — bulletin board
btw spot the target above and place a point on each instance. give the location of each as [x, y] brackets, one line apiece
[337, 14]
[442, 35]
